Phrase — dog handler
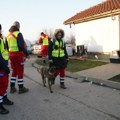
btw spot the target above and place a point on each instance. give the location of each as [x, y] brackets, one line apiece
[4, 71]
[58, 55]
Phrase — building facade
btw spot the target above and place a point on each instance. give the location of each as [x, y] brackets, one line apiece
[98, 27]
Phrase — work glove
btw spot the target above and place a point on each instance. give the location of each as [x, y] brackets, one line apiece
[28, 57]
[67, 60]
[7, 70]
[50, 61]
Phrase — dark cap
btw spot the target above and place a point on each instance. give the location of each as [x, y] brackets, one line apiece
[17, 24]
[42, 33]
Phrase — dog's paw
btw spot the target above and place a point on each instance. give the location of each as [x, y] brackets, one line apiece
[44, 85]
[51, 91]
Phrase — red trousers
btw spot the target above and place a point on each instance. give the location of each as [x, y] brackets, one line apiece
[17, 64]
[60, 72]
[3, 82]
[44, 51]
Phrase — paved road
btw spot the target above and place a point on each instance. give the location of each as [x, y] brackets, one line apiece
[81, 101]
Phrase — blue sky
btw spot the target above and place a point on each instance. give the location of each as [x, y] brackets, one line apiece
[36, 15]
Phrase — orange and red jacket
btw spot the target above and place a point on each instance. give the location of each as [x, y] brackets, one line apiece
[40, 40]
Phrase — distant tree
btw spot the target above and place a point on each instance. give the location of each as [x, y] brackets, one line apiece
[48, 32]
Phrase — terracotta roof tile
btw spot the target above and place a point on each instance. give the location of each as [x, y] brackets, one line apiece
[99, 9]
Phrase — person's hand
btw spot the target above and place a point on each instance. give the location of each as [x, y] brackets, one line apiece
[7, 70]
[67, 60]
[28, 57]
[50, 61]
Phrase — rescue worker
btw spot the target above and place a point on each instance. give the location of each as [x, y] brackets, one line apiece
[44, 39]
[58, 56]
[17, 54]
[4, 71]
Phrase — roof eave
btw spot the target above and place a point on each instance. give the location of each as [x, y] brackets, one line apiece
[94, 17]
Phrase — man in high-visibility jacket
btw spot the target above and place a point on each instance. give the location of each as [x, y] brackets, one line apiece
[17, 54]
[44, 39]
[4, 71]
[58, 56]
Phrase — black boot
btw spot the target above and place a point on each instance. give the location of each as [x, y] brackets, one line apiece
[3, 110]
[23, 90]
[6, 101]
[62, 85]
[12, 88]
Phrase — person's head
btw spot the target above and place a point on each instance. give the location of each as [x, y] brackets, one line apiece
[42, 33]
[13, 29]
[17, 24]
[59, 34]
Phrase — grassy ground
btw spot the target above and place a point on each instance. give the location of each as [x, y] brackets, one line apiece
[78, 65]
[115, 78]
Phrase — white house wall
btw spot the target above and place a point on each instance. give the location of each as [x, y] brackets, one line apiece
[101, 35]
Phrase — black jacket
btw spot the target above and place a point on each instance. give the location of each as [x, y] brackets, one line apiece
[58, 62]
[3, 63]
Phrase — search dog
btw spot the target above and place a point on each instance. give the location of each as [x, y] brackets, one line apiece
[47, 74]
